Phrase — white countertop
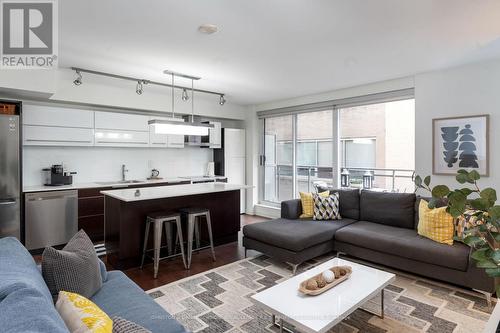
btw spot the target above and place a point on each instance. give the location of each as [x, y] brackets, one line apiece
[160, 192]
[78, 186]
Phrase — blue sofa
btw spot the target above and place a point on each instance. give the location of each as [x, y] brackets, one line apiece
[26, 304]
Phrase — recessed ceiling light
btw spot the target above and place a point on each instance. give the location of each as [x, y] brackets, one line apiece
[208, 29]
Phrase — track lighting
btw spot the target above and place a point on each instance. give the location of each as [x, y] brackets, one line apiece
[185, 95]
[78, 80]
[222, 100]
[139, 88]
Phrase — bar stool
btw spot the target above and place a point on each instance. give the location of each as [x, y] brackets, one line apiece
[194, 216]
[159, 219]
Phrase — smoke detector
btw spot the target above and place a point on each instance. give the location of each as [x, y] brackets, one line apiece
[208, 29]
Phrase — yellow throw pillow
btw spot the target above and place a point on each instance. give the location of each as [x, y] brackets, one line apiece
[435, 224]
[308, 203]
[81, 315]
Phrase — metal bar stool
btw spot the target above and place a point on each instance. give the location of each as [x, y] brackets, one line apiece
[159, 219]
[194, 216]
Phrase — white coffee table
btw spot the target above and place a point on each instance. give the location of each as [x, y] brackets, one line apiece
[317, 314]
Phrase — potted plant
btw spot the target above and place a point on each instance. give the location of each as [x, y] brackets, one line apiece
[484, 236]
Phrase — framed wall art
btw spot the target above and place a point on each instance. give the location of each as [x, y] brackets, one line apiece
[460, 143]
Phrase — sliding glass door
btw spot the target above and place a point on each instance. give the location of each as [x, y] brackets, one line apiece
[278, 159]
[373, 144]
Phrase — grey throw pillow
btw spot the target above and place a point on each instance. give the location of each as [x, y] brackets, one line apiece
[121, 325]
[75, 268]
[326, 208]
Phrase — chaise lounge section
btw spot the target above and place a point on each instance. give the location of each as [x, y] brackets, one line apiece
[378, 227]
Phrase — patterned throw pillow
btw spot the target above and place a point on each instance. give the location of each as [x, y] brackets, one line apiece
[326, 208]
[75, 268]
[81, 315]
[308, 203]
[121, 325]
[435, 224]
[467, 221]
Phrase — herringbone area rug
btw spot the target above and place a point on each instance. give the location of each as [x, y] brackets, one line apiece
[219, 301]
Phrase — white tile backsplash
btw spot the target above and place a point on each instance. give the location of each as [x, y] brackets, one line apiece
[104, 164]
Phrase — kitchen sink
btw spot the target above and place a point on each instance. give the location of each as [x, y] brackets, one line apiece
[120, 182]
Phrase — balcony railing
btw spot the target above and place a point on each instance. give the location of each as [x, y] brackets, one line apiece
[314, 174]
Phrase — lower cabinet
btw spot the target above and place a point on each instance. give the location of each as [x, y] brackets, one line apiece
[91, 213]
[91, 209]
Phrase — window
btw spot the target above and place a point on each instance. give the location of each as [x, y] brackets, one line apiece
[376, 139]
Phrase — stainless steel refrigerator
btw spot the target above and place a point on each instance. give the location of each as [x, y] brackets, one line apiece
[10, 176]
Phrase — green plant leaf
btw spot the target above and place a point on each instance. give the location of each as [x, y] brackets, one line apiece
[463, 171]
[440, 191]
[455, 212]
[497, 289]
[495, 256]
[418, 181]
[427, 180]
[494, 212]
[462, 178]
[466, 191]
[474, 175]
[480, 204]
[486, 264]
[473, 241]
[489, 194]
[493, 272]
[433, 202]
[480, 254]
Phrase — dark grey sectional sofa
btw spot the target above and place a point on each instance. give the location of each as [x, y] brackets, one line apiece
[379, 227]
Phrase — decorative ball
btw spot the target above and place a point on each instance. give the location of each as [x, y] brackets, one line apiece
[336, 271]
[343, 271]
[320, 280]
[329, 276]
[312, 284]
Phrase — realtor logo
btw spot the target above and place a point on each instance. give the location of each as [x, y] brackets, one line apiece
[29, 34]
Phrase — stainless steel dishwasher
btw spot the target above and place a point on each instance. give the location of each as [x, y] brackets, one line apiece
[51, 218]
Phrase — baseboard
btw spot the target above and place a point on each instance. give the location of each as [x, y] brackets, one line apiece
[267, 211]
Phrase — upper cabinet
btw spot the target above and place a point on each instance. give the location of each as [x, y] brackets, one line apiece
[214, 135]
[55, 126]
[121, 121]
[38, 115]
[59, 126]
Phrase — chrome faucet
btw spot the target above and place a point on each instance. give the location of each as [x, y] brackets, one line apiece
[124, 171]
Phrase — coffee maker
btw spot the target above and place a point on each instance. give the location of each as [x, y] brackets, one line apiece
[56, 176]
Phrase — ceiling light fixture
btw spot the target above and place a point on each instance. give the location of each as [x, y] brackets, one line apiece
[179, 128]
[222, 100]
[208, 28]
[185, 95]
[139, 88]
[78, 81]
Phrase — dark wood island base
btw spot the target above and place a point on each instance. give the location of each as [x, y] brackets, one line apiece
[125, 222]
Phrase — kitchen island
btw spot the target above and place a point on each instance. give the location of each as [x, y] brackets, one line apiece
[126, 211]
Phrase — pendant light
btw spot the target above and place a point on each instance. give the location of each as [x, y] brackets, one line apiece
[181, 128]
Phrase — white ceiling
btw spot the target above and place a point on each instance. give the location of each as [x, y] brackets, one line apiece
[269, 50]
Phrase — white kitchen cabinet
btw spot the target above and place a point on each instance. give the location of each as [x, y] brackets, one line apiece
[121, 121]
[118, 138]
[41, 115]
[214, 138]
[57, 136]
[165, 140]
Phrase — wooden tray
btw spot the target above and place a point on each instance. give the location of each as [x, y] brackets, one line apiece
[302, 286]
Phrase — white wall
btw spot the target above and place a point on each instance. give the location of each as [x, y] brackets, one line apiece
[104, 164]
[468, 90]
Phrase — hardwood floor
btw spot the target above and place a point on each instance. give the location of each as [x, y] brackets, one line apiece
[172, 270]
